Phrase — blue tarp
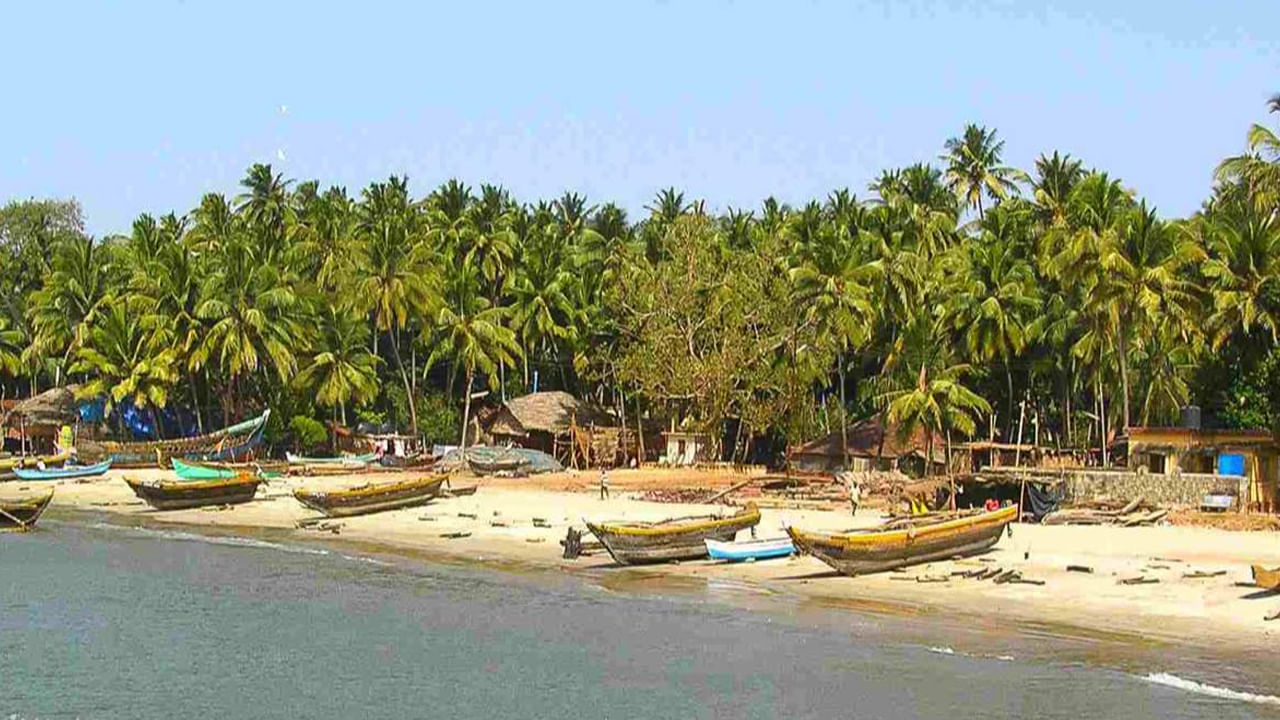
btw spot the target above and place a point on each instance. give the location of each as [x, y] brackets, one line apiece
[176, 422]
[1229, 464]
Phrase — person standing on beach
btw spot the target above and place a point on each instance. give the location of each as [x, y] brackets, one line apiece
[855, 496]
[604, 484]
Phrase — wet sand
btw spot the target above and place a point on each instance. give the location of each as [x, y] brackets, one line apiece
[1212, 611]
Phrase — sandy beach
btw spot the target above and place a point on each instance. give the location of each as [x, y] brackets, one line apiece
[1214, 611]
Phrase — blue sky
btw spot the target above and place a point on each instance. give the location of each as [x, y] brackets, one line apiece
[143, 107]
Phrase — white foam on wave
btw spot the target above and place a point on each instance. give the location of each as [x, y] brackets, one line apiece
[231, 540]
[1173, 681]
[943, 650]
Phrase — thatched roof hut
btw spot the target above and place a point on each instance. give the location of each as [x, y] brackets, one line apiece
[546, 412]
[871, 445]
[51, 408]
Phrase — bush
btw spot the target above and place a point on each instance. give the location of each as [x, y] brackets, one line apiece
[307, 433]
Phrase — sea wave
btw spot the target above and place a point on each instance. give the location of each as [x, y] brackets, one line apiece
[1173, 681]
[943, 650]
[230, 540]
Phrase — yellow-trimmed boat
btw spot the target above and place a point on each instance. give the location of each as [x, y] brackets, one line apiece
[21, 514]
[373, 497]
[631, 543]
[1267, 579]
[180, 494]
[29, 462]
[899, 544]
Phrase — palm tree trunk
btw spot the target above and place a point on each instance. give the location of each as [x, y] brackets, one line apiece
[1122, 344]
[1008, 375]
[844, 420]
[195, 404]
[466, 410]
[408, 388]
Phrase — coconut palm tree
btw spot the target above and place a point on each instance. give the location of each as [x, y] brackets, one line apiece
[342, 371]
[81, 278]
[397, 284]
[125, 363]
[974, 169]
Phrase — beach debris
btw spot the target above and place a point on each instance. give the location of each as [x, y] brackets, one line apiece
[428, 518]
[684, 495]
[572, 544]
[497, 523]
[455, 535]
[932, 578]
[1079, 568]
[541, 523]
[535, 539]
[469, 516]
[1204, 574]
[1273, 616]
[1139, 580]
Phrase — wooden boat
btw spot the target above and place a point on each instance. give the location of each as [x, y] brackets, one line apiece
[20, 515]
[750, 549]
[677, 539]
[228, 443]
[10, 465]
[899, 544]
[1266, 579]
[371, 498]
[421, 461]
[360, 460]
[488, 460]
[64, 472]
[328, 470]
[179, 494]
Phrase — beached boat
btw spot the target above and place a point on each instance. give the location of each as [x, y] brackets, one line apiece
[371, 498]
[421, 461]
[179, 494]
[20, 515]
[1267, 579]
[191, 471]
[677, 539]
[750, 549]
[910, 542]
[359, 460]
[64, 472]
[9, 465]
[228, 443]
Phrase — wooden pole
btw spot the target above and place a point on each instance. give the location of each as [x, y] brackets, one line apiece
[1017, 447]
[639, 435]
[739, 486]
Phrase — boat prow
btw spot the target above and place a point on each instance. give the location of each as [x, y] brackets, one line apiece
[21, 514]
[684, 538]
[1268, 579]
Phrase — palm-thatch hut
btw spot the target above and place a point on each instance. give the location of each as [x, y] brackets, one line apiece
[872, 446]
[33, 424]
[544, 421]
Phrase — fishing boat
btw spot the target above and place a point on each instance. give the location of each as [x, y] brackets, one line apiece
[421, 461]
[20, 515]
[909, 541]
[371, 498]
[750, 549]
[360, 460]
[10, 465]
[64, 472]
[176, 495]
[191, 471]
[487, 460]
[228, 443]
[1266, 579]
[683, 538]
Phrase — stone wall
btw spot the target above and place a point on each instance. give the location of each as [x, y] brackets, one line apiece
[1174, 489]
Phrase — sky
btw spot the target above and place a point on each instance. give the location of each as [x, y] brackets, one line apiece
[145, 106]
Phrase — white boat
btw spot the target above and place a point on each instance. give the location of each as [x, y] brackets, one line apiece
[750, 549]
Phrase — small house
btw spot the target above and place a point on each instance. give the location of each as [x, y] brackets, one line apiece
[686, 448]
[34, 425]
[1250, 455]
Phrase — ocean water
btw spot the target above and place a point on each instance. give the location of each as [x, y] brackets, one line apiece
[104, 621]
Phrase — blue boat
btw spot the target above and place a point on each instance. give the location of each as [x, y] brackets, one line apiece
[62, 473]
[750, 549]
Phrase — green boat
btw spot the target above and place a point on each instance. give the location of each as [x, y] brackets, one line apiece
[188, 471]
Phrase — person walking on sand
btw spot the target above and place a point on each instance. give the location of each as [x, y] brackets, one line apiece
[604, 484]
[855, 496]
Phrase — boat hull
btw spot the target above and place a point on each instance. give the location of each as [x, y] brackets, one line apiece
[225, 444]
[751, 550]
[65, 472]
[371, 498]
[879, 550]
[22, 515]
[680, 539]
[168, 495]
[1267, 579]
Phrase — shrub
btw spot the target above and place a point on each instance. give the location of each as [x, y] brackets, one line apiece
[307, 433]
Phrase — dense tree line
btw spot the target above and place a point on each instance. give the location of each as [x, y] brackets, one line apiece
[962, 295]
